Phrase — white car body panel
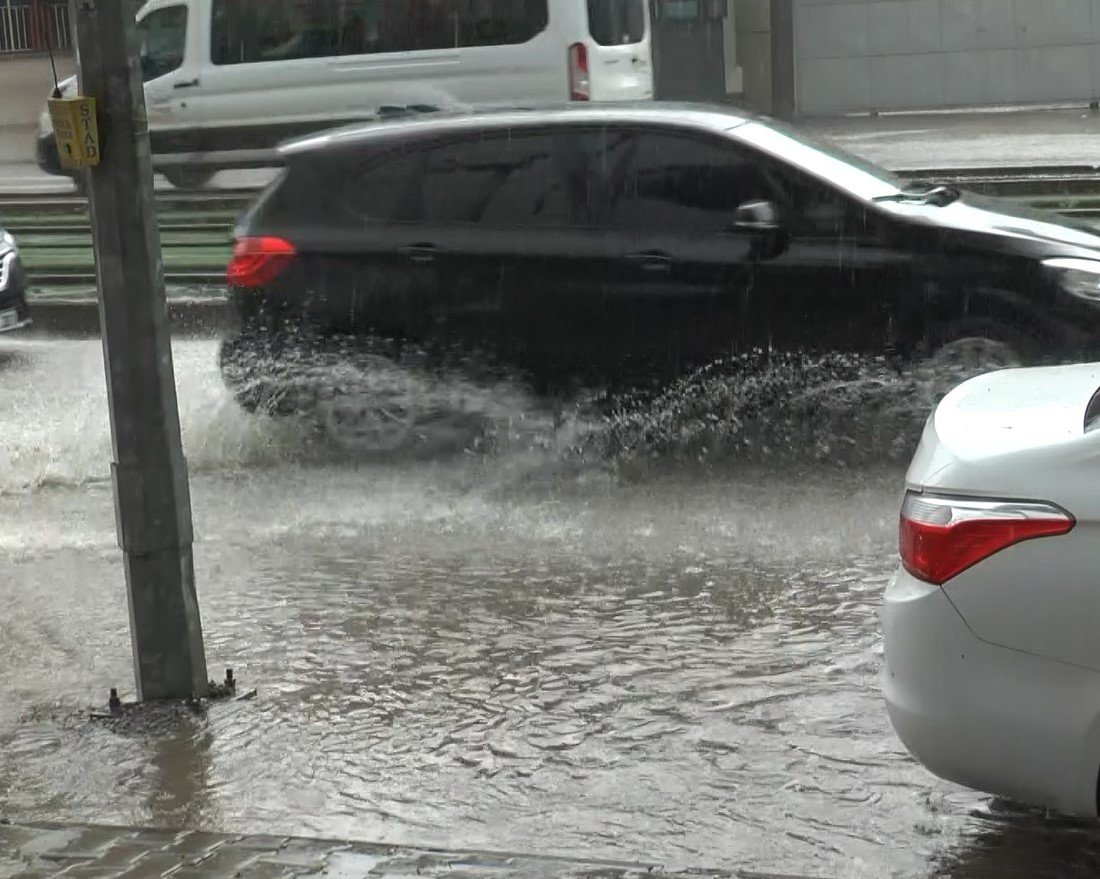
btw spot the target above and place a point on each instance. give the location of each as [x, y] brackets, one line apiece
[991, 718]
[993, 679]
[1019, 435]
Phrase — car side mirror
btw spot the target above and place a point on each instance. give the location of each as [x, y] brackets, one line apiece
[757, 216]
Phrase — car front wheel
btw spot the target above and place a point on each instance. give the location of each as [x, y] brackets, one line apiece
[980, 345]
[977, 353]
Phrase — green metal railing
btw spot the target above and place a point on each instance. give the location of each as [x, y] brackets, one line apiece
[55, 236]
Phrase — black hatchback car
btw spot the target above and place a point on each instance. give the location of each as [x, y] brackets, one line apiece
[619, 247]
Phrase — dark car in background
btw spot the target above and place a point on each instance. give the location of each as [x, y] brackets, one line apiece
[13, 286]
[617, 248]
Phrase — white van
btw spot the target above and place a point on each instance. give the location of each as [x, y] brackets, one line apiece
[226, 80]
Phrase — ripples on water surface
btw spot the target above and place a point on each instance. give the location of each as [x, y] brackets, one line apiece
[504, 650]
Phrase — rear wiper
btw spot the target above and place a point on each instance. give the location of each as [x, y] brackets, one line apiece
[939, 195]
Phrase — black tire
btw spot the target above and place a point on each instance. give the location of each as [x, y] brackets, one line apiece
[981, 344]
[189, 178]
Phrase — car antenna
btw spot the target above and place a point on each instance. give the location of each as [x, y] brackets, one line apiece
[53, 65]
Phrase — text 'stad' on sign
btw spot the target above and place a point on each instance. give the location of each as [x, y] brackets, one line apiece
[76, 131]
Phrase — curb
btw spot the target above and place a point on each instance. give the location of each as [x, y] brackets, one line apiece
[32, 850]
[79, 316]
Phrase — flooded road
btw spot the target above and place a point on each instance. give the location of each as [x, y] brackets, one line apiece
[501, 650]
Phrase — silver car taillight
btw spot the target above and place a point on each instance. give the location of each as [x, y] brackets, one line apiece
[941, 536]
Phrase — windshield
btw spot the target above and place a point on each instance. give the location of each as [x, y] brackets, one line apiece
[862, 179]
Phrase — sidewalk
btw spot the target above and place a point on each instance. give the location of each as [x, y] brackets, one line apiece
[76, 313]
[38, 851]
[1020, 139]
[1015, 138]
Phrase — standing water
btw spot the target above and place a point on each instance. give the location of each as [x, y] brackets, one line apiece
[598, 647]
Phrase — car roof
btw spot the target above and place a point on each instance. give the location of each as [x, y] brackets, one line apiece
[466, 120]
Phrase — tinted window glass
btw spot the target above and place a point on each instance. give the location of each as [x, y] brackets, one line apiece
[507, 180]
[680, 10]
[811, 207]
[500, 22]
[250, 31]
[163, 38]
[616, 22]
[660, 181]
[386, 188]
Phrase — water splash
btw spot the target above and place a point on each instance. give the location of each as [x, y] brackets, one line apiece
[838, 408]
[841, 409]
[55, 430]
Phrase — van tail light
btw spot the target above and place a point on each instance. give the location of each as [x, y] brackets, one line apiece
[940, 536]
[259, 261]
[580, 83]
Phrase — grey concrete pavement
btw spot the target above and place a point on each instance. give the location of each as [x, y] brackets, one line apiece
[1020, 138]
[38, 851]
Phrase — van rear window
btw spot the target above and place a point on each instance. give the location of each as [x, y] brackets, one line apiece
[616, 22]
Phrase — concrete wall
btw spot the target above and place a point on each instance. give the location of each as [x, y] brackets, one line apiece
[859, 55]
[752, 24]
[25, 82]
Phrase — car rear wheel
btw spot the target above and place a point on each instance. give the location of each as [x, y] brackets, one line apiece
[361, 403]
[372, 410]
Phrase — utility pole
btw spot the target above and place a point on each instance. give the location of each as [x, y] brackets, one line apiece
[152, 499]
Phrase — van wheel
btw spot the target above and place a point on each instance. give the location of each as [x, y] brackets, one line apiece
[188, 178]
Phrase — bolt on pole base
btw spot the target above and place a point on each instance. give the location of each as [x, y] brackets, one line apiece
[152, 501]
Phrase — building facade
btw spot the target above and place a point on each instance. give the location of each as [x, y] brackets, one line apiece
[830, 57]
[795, 58]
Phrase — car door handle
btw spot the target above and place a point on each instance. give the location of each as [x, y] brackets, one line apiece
[651, 261]
[186, 83]
[420, 253]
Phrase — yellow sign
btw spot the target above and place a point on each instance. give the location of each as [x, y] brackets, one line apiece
[76, 131]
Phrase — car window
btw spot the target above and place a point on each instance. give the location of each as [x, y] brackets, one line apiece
[505, 180]
[863, 179]
[499, 22]
[616, 22]
[385, 188]
[663, 181]
[1092, 413]
[256, 31]
[162, 36]
[810, 207]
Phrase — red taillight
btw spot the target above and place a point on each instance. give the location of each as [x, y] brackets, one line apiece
[940, 537]
[259, 261]
[579, 81]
